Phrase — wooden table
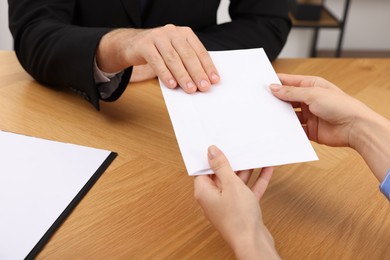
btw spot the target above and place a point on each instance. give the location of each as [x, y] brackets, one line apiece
[143, 207]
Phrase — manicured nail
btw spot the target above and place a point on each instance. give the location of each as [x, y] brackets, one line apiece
[275, 87]
[214, 77]
[213, 152]
[191, 85]
[204, 84]
[172, 83]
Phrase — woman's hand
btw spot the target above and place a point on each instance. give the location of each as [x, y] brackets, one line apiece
[233, 207]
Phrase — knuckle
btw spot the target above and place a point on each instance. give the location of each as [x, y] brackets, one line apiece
[156, 35]
[183, 79]
[169, 27]
[220, 163]
[203, 53]
[164, 73]
[186, 29]
[288, 91]
[188, 54]
[209, 67]
[154, 31]
[316, 80]
[158, 67]
[170, 56]
[153, 60]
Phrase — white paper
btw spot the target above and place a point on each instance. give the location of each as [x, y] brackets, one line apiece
[239, 115]
[38, 180]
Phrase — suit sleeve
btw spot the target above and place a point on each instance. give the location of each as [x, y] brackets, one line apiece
[54, 50]
[254, 24]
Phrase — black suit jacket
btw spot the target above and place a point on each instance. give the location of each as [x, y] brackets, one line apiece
[55, 40]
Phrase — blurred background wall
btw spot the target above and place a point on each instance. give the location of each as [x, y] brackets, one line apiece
[366, 33]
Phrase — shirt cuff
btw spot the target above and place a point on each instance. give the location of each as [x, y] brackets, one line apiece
[385, 186]
[107, 82]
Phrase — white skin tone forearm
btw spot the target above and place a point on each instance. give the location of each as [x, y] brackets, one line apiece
[233, 207]
[333, 118]
[371, 138]
[330, 117]
[173, 53]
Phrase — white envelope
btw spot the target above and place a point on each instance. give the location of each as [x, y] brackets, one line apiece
[239, 115]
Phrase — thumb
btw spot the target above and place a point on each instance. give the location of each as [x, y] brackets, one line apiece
[219, 164]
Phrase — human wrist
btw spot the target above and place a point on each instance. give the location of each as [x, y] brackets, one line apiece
[361, 133]
[370, 138]
[255, 245]
[111, 53]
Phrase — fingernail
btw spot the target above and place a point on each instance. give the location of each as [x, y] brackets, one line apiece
[172, 83]
[275, 87]
[213, 152]
[204, 84]
[214, 77]
[190, 85]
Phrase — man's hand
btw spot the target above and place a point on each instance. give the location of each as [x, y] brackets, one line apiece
[175, 55]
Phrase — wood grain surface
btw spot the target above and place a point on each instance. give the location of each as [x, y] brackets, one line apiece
[143, 207]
